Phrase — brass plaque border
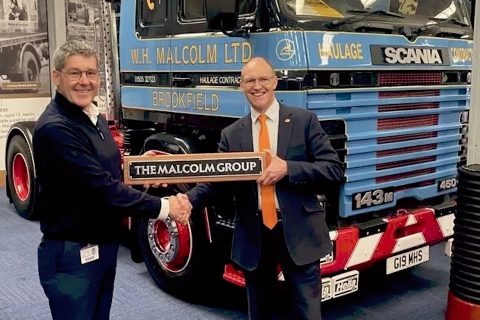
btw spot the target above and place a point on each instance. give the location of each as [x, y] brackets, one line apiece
[128, 161]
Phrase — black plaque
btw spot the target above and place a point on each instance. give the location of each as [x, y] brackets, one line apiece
[206, 167]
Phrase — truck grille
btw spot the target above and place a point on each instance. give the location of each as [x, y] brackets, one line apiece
[406, 137]
[392, 152]
[409, 78]
[407, 122]
[414, 173]
[402, 139]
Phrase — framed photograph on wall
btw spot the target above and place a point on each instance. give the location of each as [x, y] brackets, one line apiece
[24, 55]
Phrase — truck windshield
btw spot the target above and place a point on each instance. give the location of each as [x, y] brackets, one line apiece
[412, 11]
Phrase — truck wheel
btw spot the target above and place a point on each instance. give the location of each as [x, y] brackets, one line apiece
[177, 256]
[30, 67]
[20, 177]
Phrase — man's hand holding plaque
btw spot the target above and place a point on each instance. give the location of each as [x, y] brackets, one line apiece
[146, 186]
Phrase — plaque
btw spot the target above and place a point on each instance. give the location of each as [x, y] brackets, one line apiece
[191, 168]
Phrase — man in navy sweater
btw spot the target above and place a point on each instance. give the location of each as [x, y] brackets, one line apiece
[82, 199]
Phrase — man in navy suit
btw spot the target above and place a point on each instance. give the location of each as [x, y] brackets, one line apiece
[302, 163]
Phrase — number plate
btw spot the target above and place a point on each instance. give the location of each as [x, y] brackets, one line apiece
[408, 259]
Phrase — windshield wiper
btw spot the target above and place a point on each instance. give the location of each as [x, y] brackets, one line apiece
[436, 23]
[362, 14]
[449, 20]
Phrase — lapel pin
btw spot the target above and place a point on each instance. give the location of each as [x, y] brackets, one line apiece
[287, 120]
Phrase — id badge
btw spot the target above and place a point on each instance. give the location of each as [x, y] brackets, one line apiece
[89, 253]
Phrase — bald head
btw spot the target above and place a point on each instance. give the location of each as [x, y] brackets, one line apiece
[253, 62]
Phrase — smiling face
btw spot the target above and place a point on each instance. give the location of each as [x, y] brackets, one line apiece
[259, 82]
[80, 91]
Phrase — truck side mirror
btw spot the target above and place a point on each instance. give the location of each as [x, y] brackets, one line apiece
[222, 15]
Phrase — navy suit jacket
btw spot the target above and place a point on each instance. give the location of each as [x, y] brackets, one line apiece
[312, 164]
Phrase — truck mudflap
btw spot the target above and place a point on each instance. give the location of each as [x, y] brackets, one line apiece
[402, 240]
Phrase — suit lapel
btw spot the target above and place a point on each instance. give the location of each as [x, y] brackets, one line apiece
[285, 125]
[245, 132]
[246, 143]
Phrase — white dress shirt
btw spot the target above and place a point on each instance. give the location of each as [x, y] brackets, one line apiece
[272, 114]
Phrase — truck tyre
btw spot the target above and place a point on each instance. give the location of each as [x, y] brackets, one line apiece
[20, 177]
[177, 256]
[30, 68]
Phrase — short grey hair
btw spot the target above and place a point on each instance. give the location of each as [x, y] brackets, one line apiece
[70, 48]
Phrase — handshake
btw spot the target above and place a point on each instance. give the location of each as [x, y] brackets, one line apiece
[180, 208]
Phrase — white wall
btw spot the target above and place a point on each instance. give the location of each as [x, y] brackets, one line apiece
[14, 110]
[473, 154]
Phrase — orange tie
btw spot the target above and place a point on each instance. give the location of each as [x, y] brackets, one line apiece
[269, 212]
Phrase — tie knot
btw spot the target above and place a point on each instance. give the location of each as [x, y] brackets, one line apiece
[262, 118]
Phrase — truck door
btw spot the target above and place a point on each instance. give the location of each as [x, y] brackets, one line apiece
[196, 55]
[206, 65]
[145, 71]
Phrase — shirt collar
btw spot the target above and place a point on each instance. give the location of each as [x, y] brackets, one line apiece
[92, 112]
[271, 113]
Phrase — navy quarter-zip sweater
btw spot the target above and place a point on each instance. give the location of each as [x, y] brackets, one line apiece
[78, 164]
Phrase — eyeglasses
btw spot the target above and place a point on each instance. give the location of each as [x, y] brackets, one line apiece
[75, 75]
[263, 81]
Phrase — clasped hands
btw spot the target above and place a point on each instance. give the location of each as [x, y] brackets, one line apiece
[180, 208]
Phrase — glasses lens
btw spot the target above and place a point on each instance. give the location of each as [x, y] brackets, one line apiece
[76, 75]
[92, 75]
[73, 75]
[263, 81]
[249, 83]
